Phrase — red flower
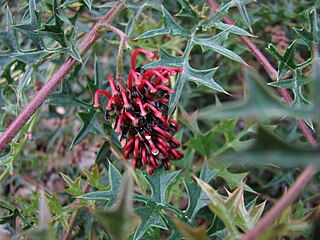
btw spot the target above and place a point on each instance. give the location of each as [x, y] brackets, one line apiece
[141, 111]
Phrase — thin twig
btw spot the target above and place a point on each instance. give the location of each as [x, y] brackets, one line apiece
[62, 72]
[74, 215]
[270, 71]
[281, 204]
[123, 44]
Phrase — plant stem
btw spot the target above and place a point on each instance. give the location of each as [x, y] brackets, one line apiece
[123, 44]
[270, 71]
[61, 73]
[74, 215]
[284, 202]
[4, 174]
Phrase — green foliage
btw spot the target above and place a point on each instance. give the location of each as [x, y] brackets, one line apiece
[64, 173]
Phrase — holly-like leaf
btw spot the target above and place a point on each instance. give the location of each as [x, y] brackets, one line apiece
[30, 29]
[234, 140]
[170, 27]
[186, 10]
[90, 124]
[59, 214]
[72, 51]
[65, 96]
[44, 231]
[11, 217]
[225, 209]
[217, 17]
[202, 143]
[31, 58]
[223, 10]
[248, 216]
[120, 219]
[159, 183]
[233, 29]
[243, 12]
[312, 35]
[286, 60]
[290, 83]
[6, 62]
[260, 104]
[201, 77]
[115, 180]
[54, 27]
[299, 101]
[138, 8]
[197, 198]
[94, 177]
[150, 216]
[74, 186]
[215, 44]
[270, 149]
[8, 36]
[233, 179]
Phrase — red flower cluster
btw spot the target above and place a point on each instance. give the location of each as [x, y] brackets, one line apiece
[142, 122]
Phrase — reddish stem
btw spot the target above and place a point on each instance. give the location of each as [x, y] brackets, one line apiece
[62, 72]
[284, 202]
